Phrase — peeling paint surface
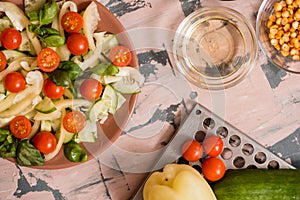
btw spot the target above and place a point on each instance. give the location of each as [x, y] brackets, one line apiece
[265, 106]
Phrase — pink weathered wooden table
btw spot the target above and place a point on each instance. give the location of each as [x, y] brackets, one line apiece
[265, 106]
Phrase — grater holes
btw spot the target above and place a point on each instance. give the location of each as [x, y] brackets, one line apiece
[222, 132]
[226, 153]
[248, 149]
[273, 164]
[198, 112]
[200, 136]
[251, 167]
[235, 141]
[260, 157]
[239, 162]
[209, 123]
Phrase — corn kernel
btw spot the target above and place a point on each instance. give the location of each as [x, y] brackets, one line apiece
[285, 14]
[296, 57]
[295, 25]
[277, 6]
[274, 42]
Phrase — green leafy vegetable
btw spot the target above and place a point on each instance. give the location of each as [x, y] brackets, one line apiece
[67, 72]
[48, 13]
[74, 152]
[28, 155]
[8, 144]
[54, 40]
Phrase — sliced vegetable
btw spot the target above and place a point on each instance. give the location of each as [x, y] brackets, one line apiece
[2, 61]
[72, 22]
[28, 155]
[91, 18]
[126, 86]
[48, 60]
[45, 106]
[45, 142]
[15, 14]
[74, 152]
[74, 121]
[14, 82]
[120, 56]
[110, 95]
[99, 111]
[20, 127]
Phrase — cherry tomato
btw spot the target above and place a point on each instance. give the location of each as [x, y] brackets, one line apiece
[120, 56]
[213, 169]
[14, 82]
[53, 91]
[20, 126]
[2, 61]
[78, 44]
[90, 89]
[192, 150]
[72, 22]
[48, 60]
[213, 145]
[11, 38]
[74, 121]
[45, 142]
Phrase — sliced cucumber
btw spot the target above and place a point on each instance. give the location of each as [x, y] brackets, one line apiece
[45, 106]
[99, 110]
[68, 136]
[126, 87]
[108, 79]
[110, 94]
[133, 73]
[121, 100]
[46, 125]
[88, 133]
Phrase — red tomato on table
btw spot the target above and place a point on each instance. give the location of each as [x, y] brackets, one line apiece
[20, 127]
[11, 38]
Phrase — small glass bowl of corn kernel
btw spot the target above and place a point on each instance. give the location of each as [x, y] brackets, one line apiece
[278, 33]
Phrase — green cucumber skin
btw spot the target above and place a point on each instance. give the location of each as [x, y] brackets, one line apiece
[258, 184]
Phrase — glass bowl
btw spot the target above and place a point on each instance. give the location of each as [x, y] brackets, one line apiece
[274, 56]
[215, 47]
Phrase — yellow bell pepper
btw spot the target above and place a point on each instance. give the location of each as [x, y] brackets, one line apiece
[177, 182]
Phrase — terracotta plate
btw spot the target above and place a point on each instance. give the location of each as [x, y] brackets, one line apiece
[112, 128]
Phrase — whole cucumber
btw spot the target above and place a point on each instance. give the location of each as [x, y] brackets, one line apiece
[258, 184]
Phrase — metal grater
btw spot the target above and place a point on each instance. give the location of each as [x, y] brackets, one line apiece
[240, 151]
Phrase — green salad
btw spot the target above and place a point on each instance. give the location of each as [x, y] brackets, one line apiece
[59, 77]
